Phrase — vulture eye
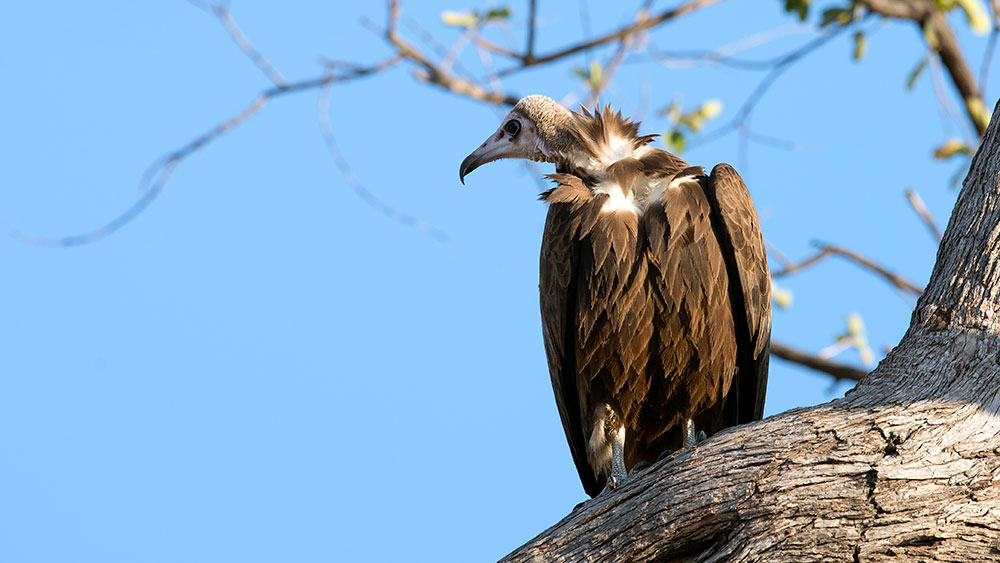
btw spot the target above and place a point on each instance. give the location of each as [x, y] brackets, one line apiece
[512, 128]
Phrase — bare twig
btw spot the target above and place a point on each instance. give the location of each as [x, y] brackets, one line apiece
[497, 49]
[323, 111]
[221, 11]
[828, 250]
[529, 51]
[724, 55]
[617, 59]
[935, 25]
[838, 371]
[941, 93]
[152, 183]
[433, 73]
[608, 73]
[434, 45]
[991, 45]
[160, 171]
[616, 35]
[779, 66]
[917, 203]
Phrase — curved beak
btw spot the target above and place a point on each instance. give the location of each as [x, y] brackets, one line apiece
[470, 163]
[495, 148]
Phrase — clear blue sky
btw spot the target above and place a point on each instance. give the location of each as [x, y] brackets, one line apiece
[263, 368]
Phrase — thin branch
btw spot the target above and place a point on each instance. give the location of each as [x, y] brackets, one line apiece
[221, 11]
[151, 185]
[831, 250]
[433, 73]
[434, 45]
[608, 72]
[613, 36]
[917, 203]
[497, 49]
[724, 55]
[529, 51]
[323, 112]
[159, 172]
[617, 59]
[838, 371]
[780, 66]
[941, 93]
[991, 45]
[934, 24]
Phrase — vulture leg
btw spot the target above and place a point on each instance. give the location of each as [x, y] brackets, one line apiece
[618, 473]
[690, 436]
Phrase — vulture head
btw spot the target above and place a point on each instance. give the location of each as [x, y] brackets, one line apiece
[538, 128]
[541, 129]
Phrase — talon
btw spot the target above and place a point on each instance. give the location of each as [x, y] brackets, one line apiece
[639, 466]
[665, 454]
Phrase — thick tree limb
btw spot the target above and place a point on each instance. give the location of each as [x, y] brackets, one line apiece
[904, 468]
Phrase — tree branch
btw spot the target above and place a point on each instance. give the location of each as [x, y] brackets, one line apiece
[838, 371]
[616, 35]
[917, 203]
[829, 249]
[155, 179]
[435, 74]
[938, 33]
[904, 467]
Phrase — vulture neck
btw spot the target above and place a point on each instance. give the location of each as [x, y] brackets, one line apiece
[606, 151]
[609, 157]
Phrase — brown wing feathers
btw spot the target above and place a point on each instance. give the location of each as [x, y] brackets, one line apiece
[653, 314]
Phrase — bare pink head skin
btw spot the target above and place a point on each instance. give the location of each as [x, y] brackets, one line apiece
[538, 128]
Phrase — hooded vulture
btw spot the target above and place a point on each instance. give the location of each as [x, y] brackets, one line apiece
[655, 293]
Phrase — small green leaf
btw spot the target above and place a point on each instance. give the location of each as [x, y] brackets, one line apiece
[673, 111]
[860, 44]
[839, 16]
[501, 13]
[595, 74]
[915, 73]
[945, 5]
[799, 7]
[676, 141]
[951, 148]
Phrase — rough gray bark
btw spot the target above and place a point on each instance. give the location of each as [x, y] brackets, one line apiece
[906, 467]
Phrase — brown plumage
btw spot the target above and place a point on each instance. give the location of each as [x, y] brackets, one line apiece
[654, 288]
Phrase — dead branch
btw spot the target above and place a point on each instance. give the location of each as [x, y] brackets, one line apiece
[155, 179]
[838, 371]
[222, 12]
[323, 111]
[617, 35]
[917, 203]
[934, 25]
[782, 64]
[831, 250]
